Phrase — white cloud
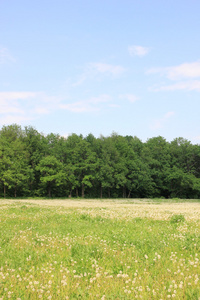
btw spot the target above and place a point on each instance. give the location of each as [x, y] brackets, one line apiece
[183, 85]
[9, 102]
[186, 70]
[138, 50]
[195, 139]
[158, 124]
[186, 75]
[168, 115]
[17, 107]
[114, 105]
[5, 56]
[114, 70]
[11, 119]
[89, 105]
[162, 71]
[65, 135]
[94, 70]
[81, 80]
[45, 104]
[6, 96]
[130, 97]
[42, 110]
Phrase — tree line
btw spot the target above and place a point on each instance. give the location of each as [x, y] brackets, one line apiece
[36, 165]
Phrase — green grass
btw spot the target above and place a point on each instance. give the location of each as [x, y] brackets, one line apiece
[50, 253]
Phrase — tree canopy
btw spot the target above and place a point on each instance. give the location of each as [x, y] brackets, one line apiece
[32, 164]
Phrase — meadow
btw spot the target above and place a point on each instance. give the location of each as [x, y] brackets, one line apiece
[99, 249]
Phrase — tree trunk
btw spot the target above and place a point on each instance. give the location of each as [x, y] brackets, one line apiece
[83, 190]
[15, 191]
[77, 192]
[124, 192]
[101, 191]
[4, 190]
[49, 191]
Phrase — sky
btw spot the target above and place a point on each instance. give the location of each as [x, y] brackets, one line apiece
[100, 66]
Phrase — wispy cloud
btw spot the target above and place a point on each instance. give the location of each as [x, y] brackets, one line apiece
[81, 79]
[136, 50]
[182, 71]
[5, 56]
[114, 70]
[113, 105]
[16, 107]
[65, 135]
[159, 123]
[161, 71]
[89, 105]
[186, 70]
[193, 85]
[194, 139]
[9, 102]
[130, 97]
[186, 75]
[11, 119]
[6, 96]
[96, 69]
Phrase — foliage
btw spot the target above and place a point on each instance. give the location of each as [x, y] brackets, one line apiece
[177, 219]
[32, 164]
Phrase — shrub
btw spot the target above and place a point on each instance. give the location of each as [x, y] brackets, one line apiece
[177, 219]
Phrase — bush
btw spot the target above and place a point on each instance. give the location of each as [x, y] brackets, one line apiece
[177, 219]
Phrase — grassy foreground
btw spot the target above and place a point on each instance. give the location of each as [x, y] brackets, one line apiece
[99, 251]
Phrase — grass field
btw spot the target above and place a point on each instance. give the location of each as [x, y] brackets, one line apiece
[99, 249]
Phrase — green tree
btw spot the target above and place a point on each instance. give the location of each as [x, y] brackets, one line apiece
[185, 167]
[36, 146]
[15, 171]
[52, 174]
[156, 154]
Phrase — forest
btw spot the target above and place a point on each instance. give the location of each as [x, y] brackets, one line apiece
[36, 165]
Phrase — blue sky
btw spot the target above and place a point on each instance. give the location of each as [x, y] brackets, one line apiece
[98, 66]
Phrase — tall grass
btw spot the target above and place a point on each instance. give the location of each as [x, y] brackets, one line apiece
[50, 253]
